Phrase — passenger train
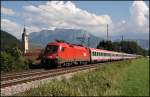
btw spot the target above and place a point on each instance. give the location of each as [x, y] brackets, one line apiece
[60, 54]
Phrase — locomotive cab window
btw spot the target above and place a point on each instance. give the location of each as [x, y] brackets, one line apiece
[62, 49]
[50, 49]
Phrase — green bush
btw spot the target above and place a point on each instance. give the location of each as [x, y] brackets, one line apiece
[41, 54]
[15, 52]
[7, 62]
[12, 60]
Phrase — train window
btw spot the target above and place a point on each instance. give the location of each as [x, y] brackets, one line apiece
[62, 49]
[92, 53]
[104, 54]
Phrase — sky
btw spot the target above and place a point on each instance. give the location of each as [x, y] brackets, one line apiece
[128, 18]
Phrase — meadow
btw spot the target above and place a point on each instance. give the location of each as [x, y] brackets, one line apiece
[121, 78]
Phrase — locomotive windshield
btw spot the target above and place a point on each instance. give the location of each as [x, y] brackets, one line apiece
[50, 49]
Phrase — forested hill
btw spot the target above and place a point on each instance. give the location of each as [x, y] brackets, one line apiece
[9, 41]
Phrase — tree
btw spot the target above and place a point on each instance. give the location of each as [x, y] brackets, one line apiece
[105, 45]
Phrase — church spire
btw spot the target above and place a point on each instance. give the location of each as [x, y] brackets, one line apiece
[24, 40]
[24, 30]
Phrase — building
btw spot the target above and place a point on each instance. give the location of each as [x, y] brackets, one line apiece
[25, 41]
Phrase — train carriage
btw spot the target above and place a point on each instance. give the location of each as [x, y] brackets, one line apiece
[98, 55]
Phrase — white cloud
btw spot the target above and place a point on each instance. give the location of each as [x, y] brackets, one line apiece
[7, 11]
[140, 15]
[66, 15]
[15, 29]
[138, 24]
[11, 27]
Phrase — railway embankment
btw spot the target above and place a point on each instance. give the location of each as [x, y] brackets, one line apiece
[122, 78]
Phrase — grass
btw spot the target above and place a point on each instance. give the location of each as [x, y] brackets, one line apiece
[136, 79]
[122, 78]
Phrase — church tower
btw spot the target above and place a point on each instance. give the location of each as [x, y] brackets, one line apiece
[25, 41]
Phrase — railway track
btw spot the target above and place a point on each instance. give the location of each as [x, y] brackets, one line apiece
[10, 80]
[11, 75]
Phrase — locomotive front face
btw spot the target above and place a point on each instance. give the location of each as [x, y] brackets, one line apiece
[50, 55]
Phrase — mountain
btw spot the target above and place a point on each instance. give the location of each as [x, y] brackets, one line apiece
[9, 41]
[68, 35]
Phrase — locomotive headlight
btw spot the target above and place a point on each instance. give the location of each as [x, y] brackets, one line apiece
[43, 56]
[57, 58]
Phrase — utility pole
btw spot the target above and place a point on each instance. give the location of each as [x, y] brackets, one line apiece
[88, 41]
[122, 37]
[122, 45]
[107, 33]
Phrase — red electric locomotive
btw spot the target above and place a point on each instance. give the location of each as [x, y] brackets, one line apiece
[64, 54]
